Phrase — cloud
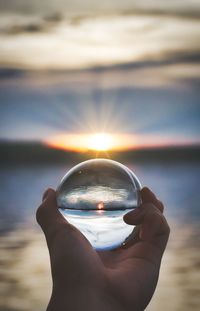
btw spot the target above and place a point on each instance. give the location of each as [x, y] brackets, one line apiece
[19, 24]
[55, 17]
[29, 28]
[95, 6]
[167, 59]
[58, 42]
[16, 23]
[174, 71]
[7, 73]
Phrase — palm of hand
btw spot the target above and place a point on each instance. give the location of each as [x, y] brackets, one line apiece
[126, 278]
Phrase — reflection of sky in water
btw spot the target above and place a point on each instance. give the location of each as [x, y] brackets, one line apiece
[24, 263]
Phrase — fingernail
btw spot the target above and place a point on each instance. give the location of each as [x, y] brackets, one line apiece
[45, 194]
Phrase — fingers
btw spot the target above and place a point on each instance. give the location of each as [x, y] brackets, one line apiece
[152, 225]
[149, 197]
[149, 218]
[47, 215]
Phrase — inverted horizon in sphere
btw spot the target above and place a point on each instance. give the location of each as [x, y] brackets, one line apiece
[94, 196]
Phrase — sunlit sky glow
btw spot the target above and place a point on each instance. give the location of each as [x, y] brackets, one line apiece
[112, 142]
[65, 116]
[96, 141]
[70, 69]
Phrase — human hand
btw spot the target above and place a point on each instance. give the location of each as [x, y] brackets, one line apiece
[120, 279]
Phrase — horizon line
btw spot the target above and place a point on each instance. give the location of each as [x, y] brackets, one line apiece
[132, 148]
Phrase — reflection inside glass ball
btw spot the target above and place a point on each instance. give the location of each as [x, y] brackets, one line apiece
[94, 196]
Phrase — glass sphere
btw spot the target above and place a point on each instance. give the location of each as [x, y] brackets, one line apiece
[94, 196]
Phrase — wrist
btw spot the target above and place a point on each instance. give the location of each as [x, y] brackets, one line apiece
[84, 299]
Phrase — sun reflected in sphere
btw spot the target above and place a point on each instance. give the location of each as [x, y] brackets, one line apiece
[100, 205]
[94, 196]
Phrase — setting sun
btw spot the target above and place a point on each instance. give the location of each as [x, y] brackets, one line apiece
[99, 142]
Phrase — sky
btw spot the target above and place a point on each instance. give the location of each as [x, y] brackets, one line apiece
[70, 67]
[80, 34]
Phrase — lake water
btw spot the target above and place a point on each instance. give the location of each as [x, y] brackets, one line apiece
[24, 263]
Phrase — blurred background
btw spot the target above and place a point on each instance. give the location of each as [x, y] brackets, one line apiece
[84, 79]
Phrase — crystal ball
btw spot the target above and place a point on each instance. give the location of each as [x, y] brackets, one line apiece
[94, 196]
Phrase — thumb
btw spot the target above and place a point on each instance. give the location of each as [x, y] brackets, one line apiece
[48, 216]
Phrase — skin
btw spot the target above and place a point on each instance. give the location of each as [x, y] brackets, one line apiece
[123, 279]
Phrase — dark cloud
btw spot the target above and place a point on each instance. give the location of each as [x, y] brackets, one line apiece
[168, 58]
[180, 8]
[28, 28]
[54, 17]
[154, 65]
[188, 14]
[33, 26]
[7, 73]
